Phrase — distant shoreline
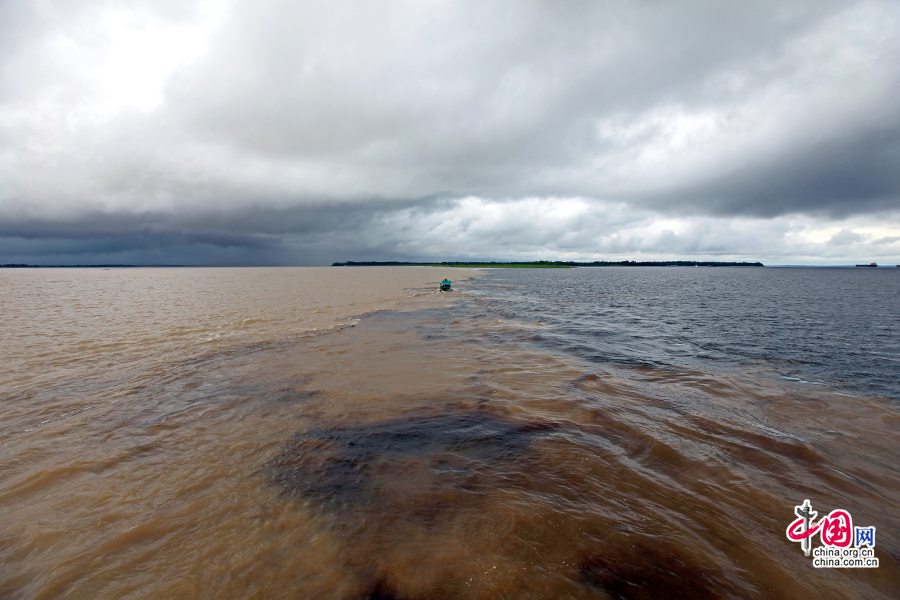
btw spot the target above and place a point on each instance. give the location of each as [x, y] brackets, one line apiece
[469, 265]
[547, 264]
[24, 266]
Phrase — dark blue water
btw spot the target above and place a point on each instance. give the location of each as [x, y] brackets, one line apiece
[833, 326]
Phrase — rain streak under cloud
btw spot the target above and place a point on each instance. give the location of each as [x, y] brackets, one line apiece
[266, 132]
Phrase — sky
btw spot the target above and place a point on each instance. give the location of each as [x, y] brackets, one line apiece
[264, 132]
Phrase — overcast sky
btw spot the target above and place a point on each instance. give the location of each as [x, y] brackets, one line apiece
[285, 132]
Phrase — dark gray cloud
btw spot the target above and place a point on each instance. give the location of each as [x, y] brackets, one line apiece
[279, 132]
[836, 178]
[250, 235]
[436, 229]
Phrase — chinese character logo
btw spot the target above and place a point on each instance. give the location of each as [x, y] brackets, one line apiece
[865, 536]
[843, 545]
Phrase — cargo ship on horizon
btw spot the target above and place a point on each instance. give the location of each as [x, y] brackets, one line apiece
[868, 265]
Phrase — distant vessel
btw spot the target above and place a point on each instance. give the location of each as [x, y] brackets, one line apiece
[868, 265]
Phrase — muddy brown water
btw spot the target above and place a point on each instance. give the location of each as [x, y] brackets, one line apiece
[405, 444]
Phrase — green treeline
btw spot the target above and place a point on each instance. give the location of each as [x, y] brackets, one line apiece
[551, 264]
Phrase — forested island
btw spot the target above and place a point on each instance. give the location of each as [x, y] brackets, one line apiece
[550, 264]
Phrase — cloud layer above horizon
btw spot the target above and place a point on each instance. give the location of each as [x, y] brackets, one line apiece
[274, 132]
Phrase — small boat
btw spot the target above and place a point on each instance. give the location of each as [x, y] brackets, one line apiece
[868, 265]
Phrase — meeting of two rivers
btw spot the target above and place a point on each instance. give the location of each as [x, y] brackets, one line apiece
[351, 433]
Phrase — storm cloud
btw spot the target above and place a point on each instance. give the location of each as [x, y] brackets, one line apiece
[267, 132]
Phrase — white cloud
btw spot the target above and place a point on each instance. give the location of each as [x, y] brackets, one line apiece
[613, 127]
[577, 229]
